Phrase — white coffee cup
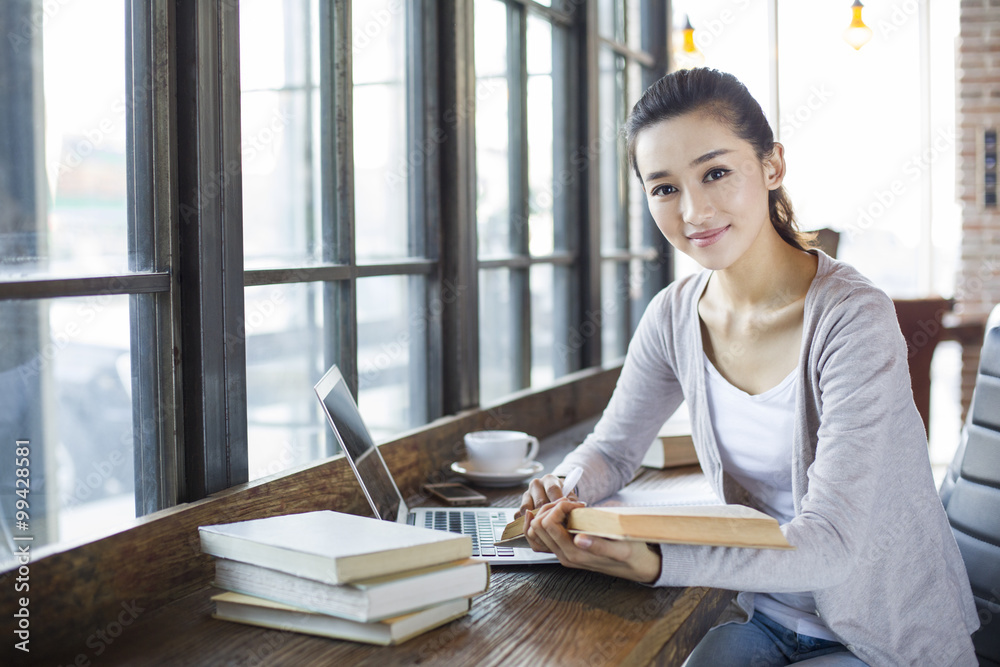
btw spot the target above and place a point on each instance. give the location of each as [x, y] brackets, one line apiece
[500, 451]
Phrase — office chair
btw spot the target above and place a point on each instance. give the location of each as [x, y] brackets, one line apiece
[971, 496]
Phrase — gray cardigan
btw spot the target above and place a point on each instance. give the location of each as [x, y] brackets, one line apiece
[872, 540]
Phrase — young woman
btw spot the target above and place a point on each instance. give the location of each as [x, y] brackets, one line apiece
[796, 376]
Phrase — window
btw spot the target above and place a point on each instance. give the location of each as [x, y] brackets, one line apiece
[635, 258]
[534, 327]
[526, 256]
[77, 282]
[250, 192]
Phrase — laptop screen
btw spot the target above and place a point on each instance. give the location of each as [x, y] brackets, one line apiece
[359, 448]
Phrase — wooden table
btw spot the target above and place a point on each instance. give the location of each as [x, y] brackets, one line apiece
[531, 615]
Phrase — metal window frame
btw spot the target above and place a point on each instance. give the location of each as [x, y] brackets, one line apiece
[518, 192]
[154, 304]
[458, 261]
[209, 191]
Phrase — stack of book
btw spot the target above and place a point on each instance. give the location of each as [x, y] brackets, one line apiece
[342, 576]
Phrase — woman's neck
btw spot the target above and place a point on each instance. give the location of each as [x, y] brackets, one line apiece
[769, 276]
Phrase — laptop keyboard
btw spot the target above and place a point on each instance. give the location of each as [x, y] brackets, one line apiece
[480, 525]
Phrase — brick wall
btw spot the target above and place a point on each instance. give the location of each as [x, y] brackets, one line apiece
[978, 92]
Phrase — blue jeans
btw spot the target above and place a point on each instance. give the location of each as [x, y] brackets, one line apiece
[765, 643]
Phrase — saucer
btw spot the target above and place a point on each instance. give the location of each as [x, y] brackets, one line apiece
[496, 479]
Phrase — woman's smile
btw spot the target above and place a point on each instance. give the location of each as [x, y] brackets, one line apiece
[708, 237]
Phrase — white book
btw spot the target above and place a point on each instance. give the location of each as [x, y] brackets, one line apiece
[366, 600]
[333, 547]
[268, 614]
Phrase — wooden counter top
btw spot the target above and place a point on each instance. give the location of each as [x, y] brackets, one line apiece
[531, 615]
[142, 597]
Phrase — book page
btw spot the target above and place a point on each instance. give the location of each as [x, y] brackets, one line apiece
[686, 490]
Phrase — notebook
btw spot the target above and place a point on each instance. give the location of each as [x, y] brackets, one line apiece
[483, 524]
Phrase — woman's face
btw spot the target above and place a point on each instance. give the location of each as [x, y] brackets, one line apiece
[706, 188]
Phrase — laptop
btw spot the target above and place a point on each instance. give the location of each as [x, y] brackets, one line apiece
[483, 524]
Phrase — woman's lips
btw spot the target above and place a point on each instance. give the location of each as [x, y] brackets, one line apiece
[708, 237]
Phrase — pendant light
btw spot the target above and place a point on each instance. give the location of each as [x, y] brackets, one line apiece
[857, 34]
[688, 55]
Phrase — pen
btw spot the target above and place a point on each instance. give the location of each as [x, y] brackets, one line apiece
[572, 479]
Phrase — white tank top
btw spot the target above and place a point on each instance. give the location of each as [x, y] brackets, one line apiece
[754, 433]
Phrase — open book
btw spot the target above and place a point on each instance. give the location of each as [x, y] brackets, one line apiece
[709, 525]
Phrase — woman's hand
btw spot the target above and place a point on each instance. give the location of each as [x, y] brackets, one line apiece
[546, 531]
[541, 491]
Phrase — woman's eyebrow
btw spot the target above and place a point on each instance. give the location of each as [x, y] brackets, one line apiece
[711, 155]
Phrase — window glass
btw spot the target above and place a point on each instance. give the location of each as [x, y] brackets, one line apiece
[392, 329]
[611, 20]
[611, 82]
[381, 163]
[733, 37]
[543, 325]
[64, 209]
[614, 310]
[638, 235]
[65, 389]
[65, 376]
[497, 355]
[828, 105]
[283, 325]
[285, 358]
[540, 119]
[492, 129]
[280, 132]
[633, 25]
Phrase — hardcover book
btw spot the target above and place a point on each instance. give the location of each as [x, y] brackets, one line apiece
[710, 525]
[364, 601]
[673, 445]
[333, 547]
[268, 614]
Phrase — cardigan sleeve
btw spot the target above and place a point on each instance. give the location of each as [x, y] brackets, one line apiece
[646, 394]
[866, 417]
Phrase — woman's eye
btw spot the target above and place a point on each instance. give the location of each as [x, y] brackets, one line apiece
[716, 174]
[661, 190]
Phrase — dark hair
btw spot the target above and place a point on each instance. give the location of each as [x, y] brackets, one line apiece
[723, 96]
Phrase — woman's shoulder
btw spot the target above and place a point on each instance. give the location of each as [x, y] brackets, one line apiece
[842, 300]
[838, 285]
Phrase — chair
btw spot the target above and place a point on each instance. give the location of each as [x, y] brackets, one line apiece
[971, 496]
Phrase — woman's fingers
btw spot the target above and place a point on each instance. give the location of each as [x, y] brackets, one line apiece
[541, 490]
[547, 532]
[553, 487]
[617, 550]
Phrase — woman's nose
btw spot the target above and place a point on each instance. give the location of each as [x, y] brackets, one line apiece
[696, 209]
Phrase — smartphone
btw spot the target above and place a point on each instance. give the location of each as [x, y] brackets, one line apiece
[458, 495]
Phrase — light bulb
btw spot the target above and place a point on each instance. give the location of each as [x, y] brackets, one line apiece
[857, 34]
[688, 55]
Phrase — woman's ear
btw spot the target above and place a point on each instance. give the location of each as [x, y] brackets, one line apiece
[774, 167]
